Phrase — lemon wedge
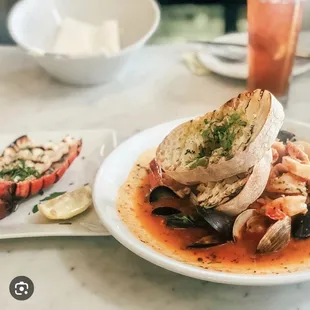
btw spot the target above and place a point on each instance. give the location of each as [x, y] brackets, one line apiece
[67, 205]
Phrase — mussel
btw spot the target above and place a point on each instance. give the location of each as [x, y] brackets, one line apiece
[219, 221]
[301, 226]
[218, 224]
[206, 242]
[165, 211]
[276, 235]
[285, 136]
[161, 193]
[158, 178]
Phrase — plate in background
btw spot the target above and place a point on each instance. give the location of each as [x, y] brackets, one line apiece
[240, 70]
[97, 144]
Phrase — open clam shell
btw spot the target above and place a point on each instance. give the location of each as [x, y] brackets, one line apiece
[276, 238]
[240, 221]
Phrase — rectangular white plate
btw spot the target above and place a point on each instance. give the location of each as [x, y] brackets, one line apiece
[97, 144]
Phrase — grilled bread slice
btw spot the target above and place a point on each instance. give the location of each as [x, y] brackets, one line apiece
[222, 143]
[235, 194]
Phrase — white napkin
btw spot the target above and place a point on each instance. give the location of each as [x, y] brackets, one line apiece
[194, 64]
[79, 38]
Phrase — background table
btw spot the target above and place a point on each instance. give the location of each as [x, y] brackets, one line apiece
[99, 273]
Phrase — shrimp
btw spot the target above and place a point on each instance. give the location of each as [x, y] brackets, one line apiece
[275, 156]
[263, 200]
[279, 148]
[305, 146]
[284, 206]
[297, 168]
[296, 152]
[281, 181]
[277, 171]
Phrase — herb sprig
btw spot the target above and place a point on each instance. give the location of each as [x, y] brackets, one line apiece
[222, 136]
[218, 136]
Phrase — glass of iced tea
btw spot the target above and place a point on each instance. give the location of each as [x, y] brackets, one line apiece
[273, 27]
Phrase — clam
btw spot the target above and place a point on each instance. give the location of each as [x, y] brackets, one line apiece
[207, 241]
[258, 224]
[276, 235]
[165, 211]
[254, 223]
[240, 221]
[276, 238]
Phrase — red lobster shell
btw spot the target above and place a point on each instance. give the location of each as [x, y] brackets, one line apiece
[12, 192]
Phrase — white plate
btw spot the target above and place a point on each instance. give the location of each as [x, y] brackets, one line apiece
[24, 223]
[240, 70]
[113, 173]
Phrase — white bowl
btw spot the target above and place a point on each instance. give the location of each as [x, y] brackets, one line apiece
[114, 172]
[33, 25]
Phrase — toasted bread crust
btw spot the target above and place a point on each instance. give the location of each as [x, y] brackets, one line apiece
[252, 189]
[268, 118]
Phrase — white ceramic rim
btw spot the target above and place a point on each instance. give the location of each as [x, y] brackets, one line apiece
[42, 53]
[130, 241]
[239, 74]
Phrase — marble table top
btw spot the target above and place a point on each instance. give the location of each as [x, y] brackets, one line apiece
[99, 273]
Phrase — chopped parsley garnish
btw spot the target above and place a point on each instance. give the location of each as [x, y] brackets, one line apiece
[188, 151]
[218, 134]
[223, 135]
[19, 173]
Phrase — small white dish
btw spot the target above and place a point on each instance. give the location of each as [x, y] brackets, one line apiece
[114, 172]
[240, 70]
[33, 25]
[22, 223]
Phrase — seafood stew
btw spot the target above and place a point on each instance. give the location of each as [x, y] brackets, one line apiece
[253, 221]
